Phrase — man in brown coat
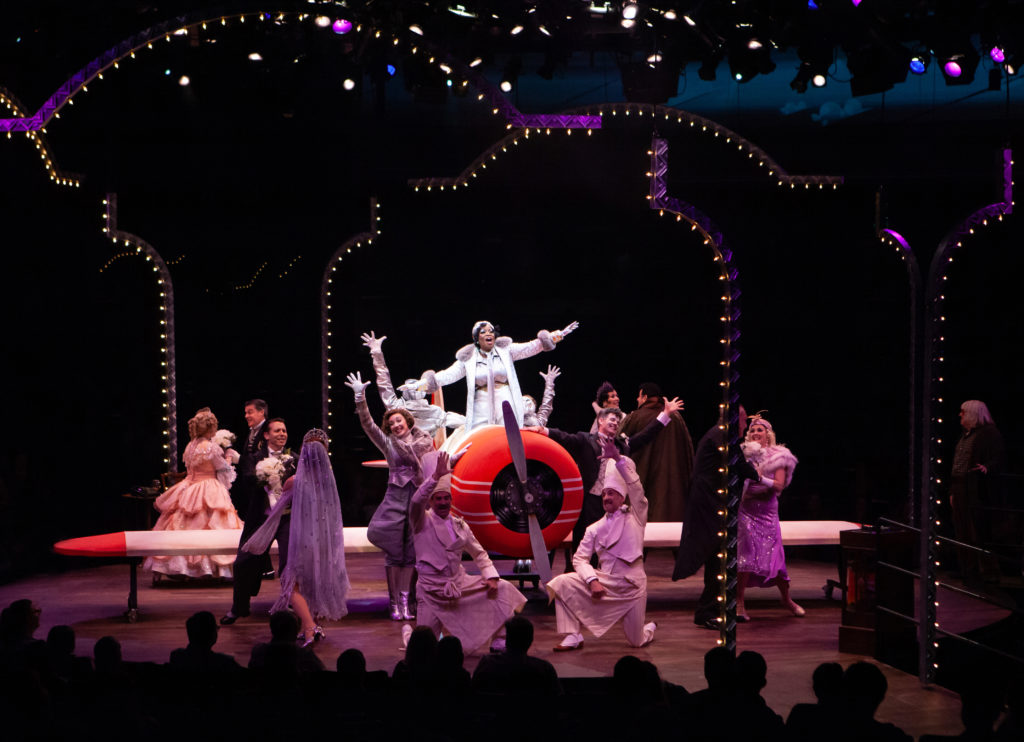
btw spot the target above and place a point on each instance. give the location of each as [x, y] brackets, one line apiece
[665, 465]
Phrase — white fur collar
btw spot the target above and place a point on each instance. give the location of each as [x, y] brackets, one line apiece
[466, 351]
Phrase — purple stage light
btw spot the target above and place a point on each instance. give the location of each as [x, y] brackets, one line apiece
[341, 26]
[997, 54]
[952, 68]
[856, 3]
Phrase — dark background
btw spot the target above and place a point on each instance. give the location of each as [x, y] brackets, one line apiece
[267, 170]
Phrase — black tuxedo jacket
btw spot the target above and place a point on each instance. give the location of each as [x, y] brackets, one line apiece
[586, 450]
[257, 502]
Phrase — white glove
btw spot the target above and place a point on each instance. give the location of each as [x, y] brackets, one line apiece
[358, 386]
[372, 342]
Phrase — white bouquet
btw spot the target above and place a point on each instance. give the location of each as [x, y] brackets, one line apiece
[224, 439]
[753, 452]
[269, 471]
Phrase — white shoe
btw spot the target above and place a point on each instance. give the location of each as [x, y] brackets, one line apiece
[570, 642]
[406, 633]
[649, 633]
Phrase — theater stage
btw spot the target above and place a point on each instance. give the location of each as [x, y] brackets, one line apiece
[92, 599]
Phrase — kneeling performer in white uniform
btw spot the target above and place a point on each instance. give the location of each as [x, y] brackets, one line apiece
[598, 598]
[472, 607]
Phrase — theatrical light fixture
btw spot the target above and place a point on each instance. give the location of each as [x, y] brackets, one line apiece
[627, 22]
[819, 81]
[516, 30]
[997, 54]
[184, 81]
[322, 21]
[506, 86]
[952, 68]
[919, 64]
[255, 57]
[630, 10]
[669, 15]
[958, 69]
[348, 83]
[416, 29]
[689, 21]
[341, 26]
[476, 62]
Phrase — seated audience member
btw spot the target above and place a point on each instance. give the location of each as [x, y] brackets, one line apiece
[64, 666]
[281, 654]
[706, 708]
[617, 589]
[807, 721]
[353, 676]
[864, 688]
[514, 671]
[637, 684]
[19, 649]
[199, 656]
[751, 719]
[417, 670]
[982, 699]
[452, 677]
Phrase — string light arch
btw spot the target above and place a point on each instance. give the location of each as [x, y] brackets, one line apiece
[326, 285]
[57, 175]
[730, 488]
[657, 114]
[933, 379]
[165, 289]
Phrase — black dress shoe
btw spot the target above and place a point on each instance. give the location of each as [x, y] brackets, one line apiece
[230, 617]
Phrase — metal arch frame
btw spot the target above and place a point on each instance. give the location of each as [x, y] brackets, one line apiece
[914, 283]
[167, 306]
[731, 486]
[326, 283]
[934, 299]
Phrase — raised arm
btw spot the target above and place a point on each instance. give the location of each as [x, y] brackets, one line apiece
[548, 402]
[384, 386]
[374, 433]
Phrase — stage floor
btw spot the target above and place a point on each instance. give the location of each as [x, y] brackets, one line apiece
[93, 600]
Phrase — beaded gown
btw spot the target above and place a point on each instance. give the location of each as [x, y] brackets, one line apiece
[200, 502]
[759, 548]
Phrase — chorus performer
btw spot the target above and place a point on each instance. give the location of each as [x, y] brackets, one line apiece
[760, 560]
[314, 581]
[404, 445]
[472, 607]
[199, 502]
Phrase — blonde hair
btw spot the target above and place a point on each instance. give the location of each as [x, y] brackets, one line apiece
[769, 431]
[203, 423]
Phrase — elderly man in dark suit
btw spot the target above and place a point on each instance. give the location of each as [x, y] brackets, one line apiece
[249, 567]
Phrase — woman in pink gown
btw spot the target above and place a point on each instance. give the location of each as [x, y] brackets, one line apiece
[200, 502]
[760, 561]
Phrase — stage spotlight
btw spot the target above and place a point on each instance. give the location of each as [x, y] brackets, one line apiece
[506, 86]
[341, 26]
[919, 64]
[630, 10]
[511, 74]
[322, 21]
[958, 69]
[184, 81]
[1012, 65]
[391, 70]
[997, 54]
[819, 81]
[255, 57]
[627, 22]
[348, 83]
[516, 30]
[416, 29]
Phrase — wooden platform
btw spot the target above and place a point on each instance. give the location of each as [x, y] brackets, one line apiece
[92, 600]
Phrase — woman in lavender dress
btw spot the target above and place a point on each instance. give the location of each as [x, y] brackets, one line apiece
[760, 559]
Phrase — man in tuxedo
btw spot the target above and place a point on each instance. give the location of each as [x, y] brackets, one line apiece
[252, 450]
[586, 450]
[249, 568]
